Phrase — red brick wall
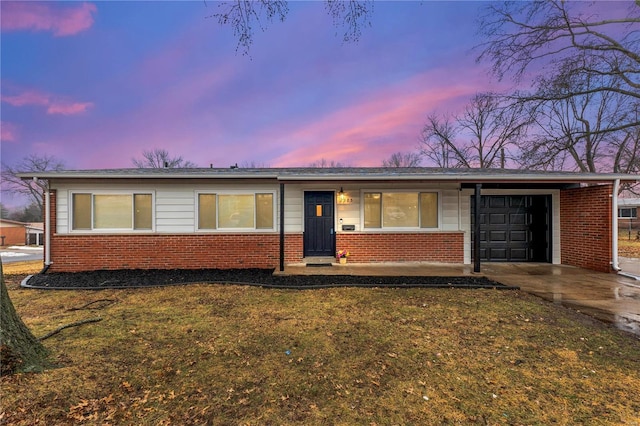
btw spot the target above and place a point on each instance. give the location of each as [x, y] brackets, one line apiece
[72, 253]
[410, 247]
[293, 248]
[585, 227]
[13, 234]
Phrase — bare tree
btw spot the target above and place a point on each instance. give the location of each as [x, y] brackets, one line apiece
[438, 143]
[324, 163]
[20, 350]
[159, 159]
[253, 165]
[33, 189]
[403, 159]
[587, 132]
[556, 37]
[483, 135]
[244, 16]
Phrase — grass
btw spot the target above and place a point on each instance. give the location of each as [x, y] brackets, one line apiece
[211, 354]
[628, 247]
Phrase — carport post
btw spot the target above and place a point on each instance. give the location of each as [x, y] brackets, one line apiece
[476, 229]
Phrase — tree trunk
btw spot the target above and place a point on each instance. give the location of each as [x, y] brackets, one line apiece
[20, 350]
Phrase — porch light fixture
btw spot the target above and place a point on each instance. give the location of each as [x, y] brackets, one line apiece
[342, 198]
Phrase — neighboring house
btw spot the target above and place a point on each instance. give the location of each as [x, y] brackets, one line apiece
[35, 233]
[12, 232]
[628, 209]
[267, 218]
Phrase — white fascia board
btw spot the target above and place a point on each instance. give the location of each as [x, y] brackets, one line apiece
[501, 178]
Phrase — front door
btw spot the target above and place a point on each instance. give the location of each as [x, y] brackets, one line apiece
[319, 235]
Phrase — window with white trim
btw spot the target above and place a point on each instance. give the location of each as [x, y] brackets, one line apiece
[250, 211]
[628, 212]
[105, 211]
[400, 210]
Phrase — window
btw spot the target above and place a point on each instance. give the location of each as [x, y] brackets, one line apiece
[81, 211]
[264, 211]
[628, 212]
[143, 211]
[206, 211]
[235, 211]
[111, 211]
[409, 210]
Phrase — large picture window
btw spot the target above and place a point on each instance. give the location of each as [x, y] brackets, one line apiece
[111, 211]
[400, 210]
[235, 211]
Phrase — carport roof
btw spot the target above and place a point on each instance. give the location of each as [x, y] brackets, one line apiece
[337, 174]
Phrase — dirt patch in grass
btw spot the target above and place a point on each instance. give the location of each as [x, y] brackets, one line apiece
[213, 354]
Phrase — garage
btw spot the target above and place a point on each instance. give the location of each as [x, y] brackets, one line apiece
[514, 228]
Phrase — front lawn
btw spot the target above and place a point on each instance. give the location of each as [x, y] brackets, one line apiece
[213, 354]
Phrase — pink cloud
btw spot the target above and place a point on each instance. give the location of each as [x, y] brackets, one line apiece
[30, 97]
[53, 104]
[69, 108]
[368, 129]
[61, 21]
[8, 132]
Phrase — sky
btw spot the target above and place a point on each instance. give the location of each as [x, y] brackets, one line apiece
[94, 84]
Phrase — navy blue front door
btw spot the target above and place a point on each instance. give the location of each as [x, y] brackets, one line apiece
[319, 235]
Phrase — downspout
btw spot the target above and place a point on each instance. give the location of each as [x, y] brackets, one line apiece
[47, 232]
[614, 230]
[614, 226]
[282, 253]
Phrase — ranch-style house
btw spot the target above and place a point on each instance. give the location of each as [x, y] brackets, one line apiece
[271, 217]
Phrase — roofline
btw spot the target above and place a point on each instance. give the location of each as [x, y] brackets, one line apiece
[292, 175]
[97, 175]
[469, 178]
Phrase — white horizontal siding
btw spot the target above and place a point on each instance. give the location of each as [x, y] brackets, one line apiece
[449, 210]
[293, 207]
[175, 203]
[62, 212]
[175, 210]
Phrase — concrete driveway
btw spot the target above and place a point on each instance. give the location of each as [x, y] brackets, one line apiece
[630, 265]
[612, 297]
[21, 254]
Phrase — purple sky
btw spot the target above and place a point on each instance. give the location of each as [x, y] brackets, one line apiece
[94, 84]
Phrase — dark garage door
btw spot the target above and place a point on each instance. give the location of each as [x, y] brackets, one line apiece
[514, 228]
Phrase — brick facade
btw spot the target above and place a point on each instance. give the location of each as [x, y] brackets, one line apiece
[585, 227]
[445, 247]
[71, 253]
